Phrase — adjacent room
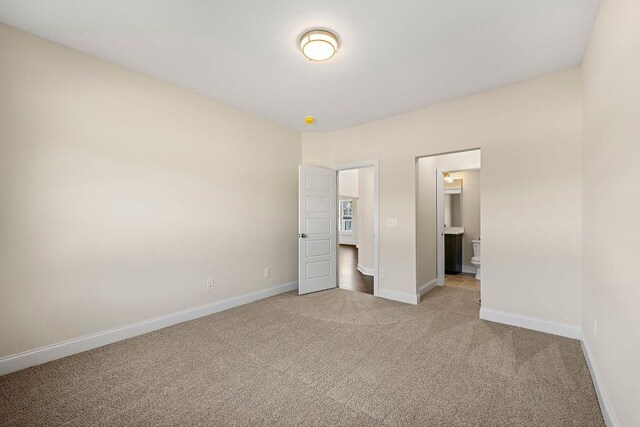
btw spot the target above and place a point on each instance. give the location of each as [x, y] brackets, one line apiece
[356, 224]
[338, 213]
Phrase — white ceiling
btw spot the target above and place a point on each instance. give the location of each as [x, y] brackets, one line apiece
[395, 56]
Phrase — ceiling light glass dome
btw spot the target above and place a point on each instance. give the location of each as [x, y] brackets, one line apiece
[319, 45]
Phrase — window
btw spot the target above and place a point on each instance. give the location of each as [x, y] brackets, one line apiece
[346, 215]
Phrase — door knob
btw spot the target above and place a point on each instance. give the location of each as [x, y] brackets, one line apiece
[304, 236]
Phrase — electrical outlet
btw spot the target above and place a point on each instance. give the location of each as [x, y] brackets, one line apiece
[382, 273]
[267, 272]
[209, 284]
[595, 328]
[391, 222]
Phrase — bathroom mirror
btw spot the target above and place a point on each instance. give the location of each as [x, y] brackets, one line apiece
[452, 210]
[452, 203]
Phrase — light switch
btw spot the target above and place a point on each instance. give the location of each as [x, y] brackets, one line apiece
[391, 222]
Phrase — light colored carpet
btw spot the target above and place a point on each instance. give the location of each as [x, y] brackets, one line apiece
[332, 358]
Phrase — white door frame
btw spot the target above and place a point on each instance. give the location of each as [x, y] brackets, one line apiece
[376, 215]
[440, 226]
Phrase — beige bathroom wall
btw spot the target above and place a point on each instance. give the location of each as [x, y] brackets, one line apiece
[121, 195]
[529, 133]
[611, 181]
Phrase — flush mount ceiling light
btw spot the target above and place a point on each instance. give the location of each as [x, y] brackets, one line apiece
[318, 45]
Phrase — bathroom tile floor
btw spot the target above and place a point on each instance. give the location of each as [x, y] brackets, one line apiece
[462, 280]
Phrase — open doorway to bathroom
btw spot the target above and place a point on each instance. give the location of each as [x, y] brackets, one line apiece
[356, 229]
[448, 221]
[461, 242]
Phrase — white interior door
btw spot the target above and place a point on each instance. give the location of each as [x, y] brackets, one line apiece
[440, 226]
[317, 228]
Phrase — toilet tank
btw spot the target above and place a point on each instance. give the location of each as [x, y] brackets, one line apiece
[476, 248]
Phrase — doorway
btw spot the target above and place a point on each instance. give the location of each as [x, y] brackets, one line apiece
[448, 222]
[355, 229]
[323, 216]
[458, 217]
[364, 254]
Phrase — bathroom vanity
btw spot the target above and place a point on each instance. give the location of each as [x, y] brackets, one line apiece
[453, 250]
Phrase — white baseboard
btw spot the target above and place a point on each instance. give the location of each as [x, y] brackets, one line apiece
[609, 416]
[48, 353]
[399, 296]
[365, 270]
[468, 269]
[427, 287]
[564, 330]
[533, 323]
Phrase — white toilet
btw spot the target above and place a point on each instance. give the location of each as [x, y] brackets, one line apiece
[475, 260]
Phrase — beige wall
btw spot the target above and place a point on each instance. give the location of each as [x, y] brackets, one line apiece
[531, 134]
[120, 196]
[348, 183]
[365, 217]
[459, 161]
[611, 181]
